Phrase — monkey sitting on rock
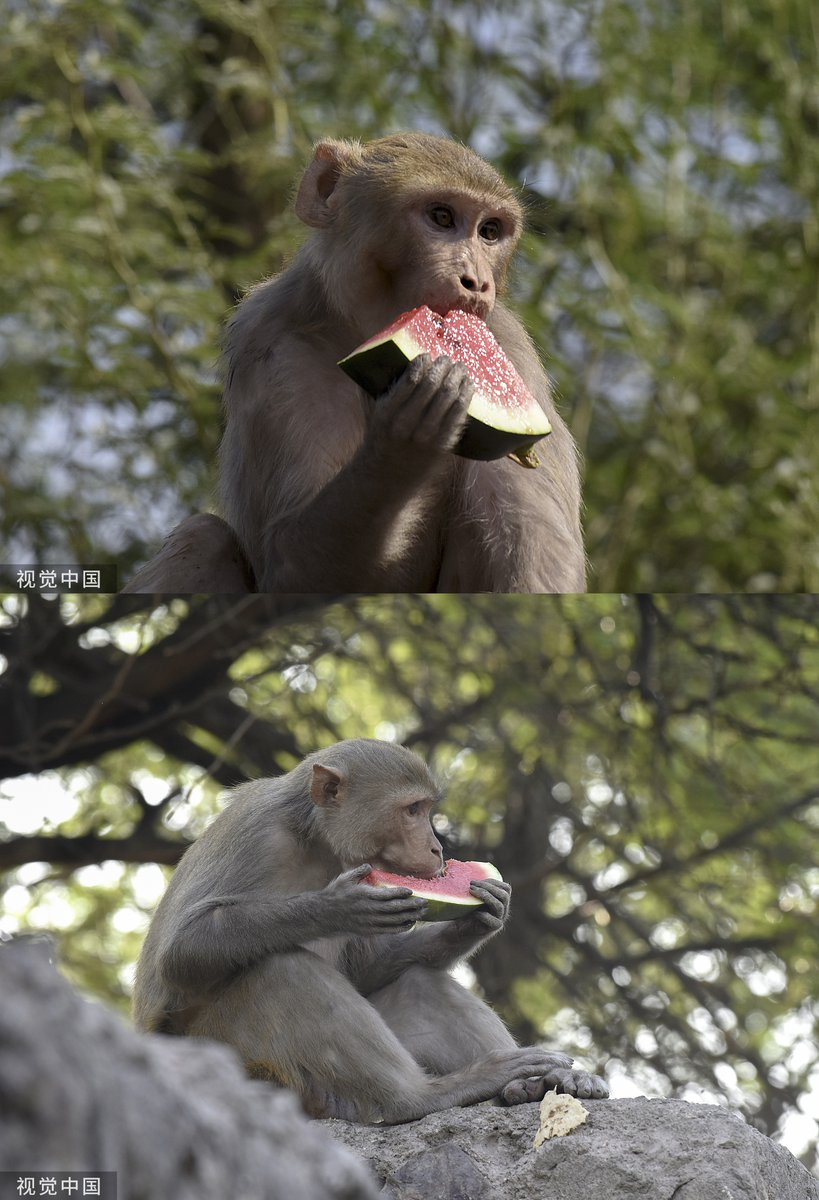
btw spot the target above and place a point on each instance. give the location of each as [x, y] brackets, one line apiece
[266, 939]
[324, 489]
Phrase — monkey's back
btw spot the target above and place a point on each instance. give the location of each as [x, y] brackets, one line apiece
[236, 851]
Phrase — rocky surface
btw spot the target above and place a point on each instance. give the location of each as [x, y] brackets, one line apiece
[176, 1119]
[80, 1090]
[626, 1150]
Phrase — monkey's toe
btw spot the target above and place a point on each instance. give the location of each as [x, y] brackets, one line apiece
[522, 1091]
[576, 1083]
[525, 1091]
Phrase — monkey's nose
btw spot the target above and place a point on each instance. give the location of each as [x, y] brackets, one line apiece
[470, 284]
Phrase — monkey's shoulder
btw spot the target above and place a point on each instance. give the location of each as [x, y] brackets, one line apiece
[274, 325]
[279, 379]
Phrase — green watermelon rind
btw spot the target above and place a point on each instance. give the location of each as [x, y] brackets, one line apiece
[377, 364]
[443, 908]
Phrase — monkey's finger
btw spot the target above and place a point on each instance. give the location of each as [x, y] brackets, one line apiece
[394, 898]
[495, 899]
[466, 388]
[357, 872]
[393, 922]
[492, 904]
[462, 399]
[392, 893]
[453, 374]
[492, 923]
[453, 382]
[435, 394]
[496, 887]
[438, 374]
[419, 374]
[405, 908]
[404, 411]
[442, 423]
[431, 406]
[453, 417]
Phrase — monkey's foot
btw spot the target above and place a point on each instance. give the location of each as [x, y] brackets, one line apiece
[521, 1091]
[572, 1083]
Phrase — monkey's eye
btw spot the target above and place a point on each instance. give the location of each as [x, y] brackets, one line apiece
[442, 216]
[412, 810]
[491, 230]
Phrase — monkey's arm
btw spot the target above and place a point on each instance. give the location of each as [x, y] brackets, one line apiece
[201, 554]
[439, 944]
[310, 528]
[216, 937]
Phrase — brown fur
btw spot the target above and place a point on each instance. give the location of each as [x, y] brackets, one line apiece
[328, 490]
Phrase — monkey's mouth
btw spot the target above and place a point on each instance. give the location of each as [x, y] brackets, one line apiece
[396, 869]
[478, 308]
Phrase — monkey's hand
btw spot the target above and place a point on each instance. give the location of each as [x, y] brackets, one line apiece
[435, 944]
[424, 410]
[466, 933]
[496, 895]
[359, 908]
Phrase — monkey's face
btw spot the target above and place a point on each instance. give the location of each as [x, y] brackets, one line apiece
[375, 804]
[446, 250]
[390, 828]
[407, 220]
[462, 252]
[409, 845]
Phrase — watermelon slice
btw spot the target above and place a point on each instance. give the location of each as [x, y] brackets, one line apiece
[504, 417]
[448, 895]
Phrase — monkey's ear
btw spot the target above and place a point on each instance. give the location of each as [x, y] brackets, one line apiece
[316, 200]
[326, 786]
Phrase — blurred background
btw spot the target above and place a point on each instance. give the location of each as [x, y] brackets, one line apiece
[643, 770]
[668, 154]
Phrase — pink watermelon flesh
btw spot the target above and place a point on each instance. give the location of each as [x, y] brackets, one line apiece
[448, 895]
[504, 416]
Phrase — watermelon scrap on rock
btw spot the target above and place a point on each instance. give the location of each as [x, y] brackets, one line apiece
[504, 417]
[447, 895]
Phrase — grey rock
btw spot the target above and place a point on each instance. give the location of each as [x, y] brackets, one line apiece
[176, 1118]
[627, 1150]
[79, 1090]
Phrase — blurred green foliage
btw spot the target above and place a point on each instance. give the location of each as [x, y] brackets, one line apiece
[669, 157]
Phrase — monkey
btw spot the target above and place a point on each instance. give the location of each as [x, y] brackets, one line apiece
[200, 555]
[326, 488]
[267, 939]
